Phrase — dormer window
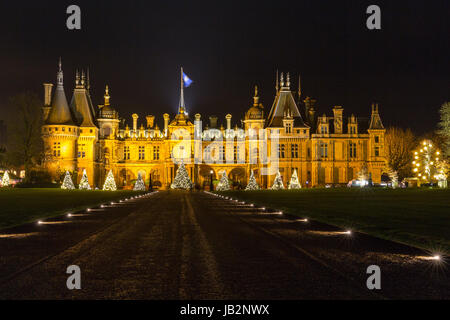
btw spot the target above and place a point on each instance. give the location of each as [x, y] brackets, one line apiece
[352, 125]
[288, 127]
[323, 127]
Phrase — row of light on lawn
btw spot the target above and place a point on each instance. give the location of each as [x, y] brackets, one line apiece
[347, 232]
[102, 206]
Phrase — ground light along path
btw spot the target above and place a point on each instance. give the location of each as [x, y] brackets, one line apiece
[20, 206]
[417, 216]
[195, 245]
[36, 252]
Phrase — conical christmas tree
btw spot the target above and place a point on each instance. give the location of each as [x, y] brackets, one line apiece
[294, 184]
[139, 185]
[67, 183]
[224, 184]
[182, 180]
[5, 179]
[110, 183]
[363, 176]
[84, 183]
[278, 182]
[252, 184]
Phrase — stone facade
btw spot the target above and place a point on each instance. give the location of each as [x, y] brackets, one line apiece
[328, 149]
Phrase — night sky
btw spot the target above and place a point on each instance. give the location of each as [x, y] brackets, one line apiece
[226, 47]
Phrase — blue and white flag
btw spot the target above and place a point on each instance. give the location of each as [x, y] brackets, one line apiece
[186, 80]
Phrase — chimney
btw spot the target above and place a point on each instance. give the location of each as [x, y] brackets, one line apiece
[310, 110]
[213, 122]
[338, 111]
[228, 117]
[135, 119]
[198, 126]
[166, 123]
[150, 121]
[48, 94]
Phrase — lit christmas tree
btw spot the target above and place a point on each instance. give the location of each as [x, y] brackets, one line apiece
[426, 162]
[182, 180]
[139, 185]
[84, 183]
[294, 184]
[5, 179]
[110, 183]
[67, 183]
[443, 168]
[252, 184]
[224, 184]
[393, 175]
[363, 176]
[278, 182]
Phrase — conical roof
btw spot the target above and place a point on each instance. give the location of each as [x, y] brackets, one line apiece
[60, 112]
[284, 101]
[81, 107]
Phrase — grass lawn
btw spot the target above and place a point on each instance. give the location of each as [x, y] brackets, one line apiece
[19, 206]
[420, 217]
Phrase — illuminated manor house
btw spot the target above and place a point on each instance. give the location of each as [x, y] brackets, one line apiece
[323, 149]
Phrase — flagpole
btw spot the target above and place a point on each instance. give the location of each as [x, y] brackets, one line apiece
[182, 91]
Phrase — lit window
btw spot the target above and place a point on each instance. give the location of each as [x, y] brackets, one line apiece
[281, 151]
[57, 149]
[323, 150]
[126, 153]
[294, 150]
[236, 153]
[352, 150]
[81, 151]
[141, 152]
[156, 153]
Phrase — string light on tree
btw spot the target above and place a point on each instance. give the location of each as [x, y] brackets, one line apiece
[139, 185]
[84, 183]
[224, 184]
[425, 163]
[252, 184]
[182, 180]
[110, 183]
[5, 180]
[67, 183]
[393, 175]
[278, 182]
[443, 169]
[294, 183]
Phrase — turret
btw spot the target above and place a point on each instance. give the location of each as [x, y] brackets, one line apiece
[59, 132]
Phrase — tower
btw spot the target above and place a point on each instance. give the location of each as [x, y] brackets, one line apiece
[108, 124]
[108, 118]
[376, 144]
[59, 132]
[87, 147]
